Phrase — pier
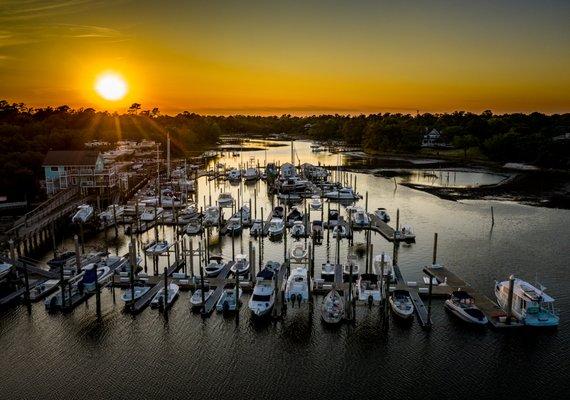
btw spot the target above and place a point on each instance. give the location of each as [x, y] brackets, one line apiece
[420, 309]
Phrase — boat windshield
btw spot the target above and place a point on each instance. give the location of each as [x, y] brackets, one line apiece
[260, 297]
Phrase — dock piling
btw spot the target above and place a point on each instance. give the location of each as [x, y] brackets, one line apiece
[434, 248]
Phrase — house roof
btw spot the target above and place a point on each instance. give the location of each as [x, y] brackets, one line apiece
[75, 157]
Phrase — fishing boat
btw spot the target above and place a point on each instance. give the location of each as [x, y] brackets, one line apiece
[316, 203]
[256, 228]
[401, 304]
[234, 226]
[139, 291]
[193, 228]
[227, 301]
[294, 216]
[225, 200]
[345, 193]
[462, 305]
[5, 270]
[297, 289]
[196, 299]
[298, 229]
[328, 272]
[317, 230]
[241, 265]
[276, 227]
[340, 231]
[157, 248]
[382, 214]
[211, 216]
[299, 251]
[530, 305]
[151, 213]
[112, 212]
[83, 214]
[369, 290]
[332, 310]
[360, 218]
[387, 267]
[251, 174]
[214, 267]
[263, 296]
[158, 299]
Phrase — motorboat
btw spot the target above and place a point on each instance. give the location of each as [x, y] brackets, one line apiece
[256, 228]
[196, 299]
[214, 267]
[263, 296]
[138, 291]
[299, 251]
[401, 304]
[188, 214]
[151, 213]
[328, 272]
[346, 271]
[530, 305]
[340, 231]
[225, 200]
[333, 217]
[234, 174]
[5, 270]
[211, 216]
[386, 268]
[332, 309]
[251, 174]
[293, 184]
[228, 301]
[278, 212]
[297, 289]
[345, 193]
[294, 215]
[83, 214]
[360, 218]
[298, 229]
[158, 299]
[462, 305]
[157, 248]
[93, 274]
[382, 214]
[234, 226]
[243, 213]
[241, 265]
[317, 230]
[276, 227]
[369, 289]
[66, 259]
[112, 212]
[193, 228]
[316, 203]
[406, 234]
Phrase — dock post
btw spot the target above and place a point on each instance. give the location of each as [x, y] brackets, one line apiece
[434, 248]
[98, 298]
[397, 219]
[165, 309]
[428, 322]
[254, 203]
[261, 239]
[233, 248]
[53, 239]
[115, 221]
[355, 182]
[202, 282]
[132, 272]
[370, 258]
[312, 247]
[77, 254]
[27, 285]
[12, 249]
[366, 203]
[191, 251]
[183, 250]
[82, 236]
[338, 248]
[510, 299]
[252, 262]
[351, 303]
[492, 216]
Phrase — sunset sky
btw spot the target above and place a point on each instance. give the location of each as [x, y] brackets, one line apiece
[299, 57]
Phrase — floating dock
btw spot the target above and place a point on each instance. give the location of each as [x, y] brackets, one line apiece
[377, 225]
[419, 306]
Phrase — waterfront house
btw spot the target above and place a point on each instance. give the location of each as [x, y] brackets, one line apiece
[431, 138]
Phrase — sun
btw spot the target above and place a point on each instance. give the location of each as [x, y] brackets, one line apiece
[111, 86]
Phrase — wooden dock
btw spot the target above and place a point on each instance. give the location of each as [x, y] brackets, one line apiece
[280, 305]
[419, 306]
[377, 225]
[145, 299]
[219, 282]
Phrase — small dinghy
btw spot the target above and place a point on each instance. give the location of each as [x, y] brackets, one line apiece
[298, 229]
[214, 267]
[139, 292]
[332, 310]
[241, 266]
[225, 200]
[211, 216]
[234, 226]
[196, 299]
[317, 230]
[462, 305]
[401, 304]
[227, 301]
[294, 216]
[328, 272]
[278, 212]
[193, 228]
[158, 299]
[299, 251]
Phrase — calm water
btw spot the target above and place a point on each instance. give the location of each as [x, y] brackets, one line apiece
[452, 178]
[147, 356]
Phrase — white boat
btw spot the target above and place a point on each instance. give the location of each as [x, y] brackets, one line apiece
[387, 267]
[234, 226]
[225, 200]
[83, 214]
[5, 270]
[299, 251]
[316, 203]
[328, 272]
[406, 233]
[111, 212]
[150, 213]
[382, 214]
[241, 266]
[188, 213]
[93, 274]
[263, 296]
[211, 216]
[298, 229]
[158, 299]
[255, 229]
[193, 228]
[139, 291]
[196, 299]
[462, 305]
[276, 227]
[345, 193]
[297, 289]
[234, 174]
[157, 248]
[401, 304]
[346, 270]
[530, 305]
[360, 218]
[214, 268]
[332, 310]
[340, 231]
[251, 174]
[227, 301]
[369, 289]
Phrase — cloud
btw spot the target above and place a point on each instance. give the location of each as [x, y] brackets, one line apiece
[23, 10]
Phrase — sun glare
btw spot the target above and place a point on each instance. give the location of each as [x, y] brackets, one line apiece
[111, 86]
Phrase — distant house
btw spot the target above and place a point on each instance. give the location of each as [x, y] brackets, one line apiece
[83, 169]
[431, 138]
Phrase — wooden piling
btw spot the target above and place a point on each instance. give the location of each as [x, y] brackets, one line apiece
[434, 259]
[77, 254]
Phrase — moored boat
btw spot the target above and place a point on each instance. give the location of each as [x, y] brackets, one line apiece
[158, 299]
[462, 305]
[241, 265]
[196, 299]
[332, 309]
[401, 304]
[228, 301]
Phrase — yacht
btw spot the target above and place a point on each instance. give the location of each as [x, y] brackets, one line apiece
[401, 304]
[369, 289]
[196, 299]
[158, 299]
[299, 251]
[251, 174]
[263, 297]
[360, 218]
[297, 289]
[211, 216]
[345, 193]
[316, 203]
[462, 305]
[276, 227]
[382, 214]
[139, 291]
[387, 267]
[214, 267]
[112, 212]
[228, 301]
[241, 265]
[225, 200]
[328, 272]
[83, 214]
[332, 310]
[298, 229]
[193, 228]
[529, 304]
[157, 248]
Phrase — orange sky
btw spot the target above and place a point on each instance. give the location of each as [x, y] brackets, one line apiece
[298, 57]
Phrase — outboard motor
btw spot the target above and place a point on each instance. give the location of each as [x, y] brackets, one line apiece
[370, 301]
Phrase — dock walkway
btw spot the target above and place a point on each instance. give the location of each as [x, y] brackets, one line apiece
[145, 299]
[419, 306]
[377, 225]
[219, 283]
